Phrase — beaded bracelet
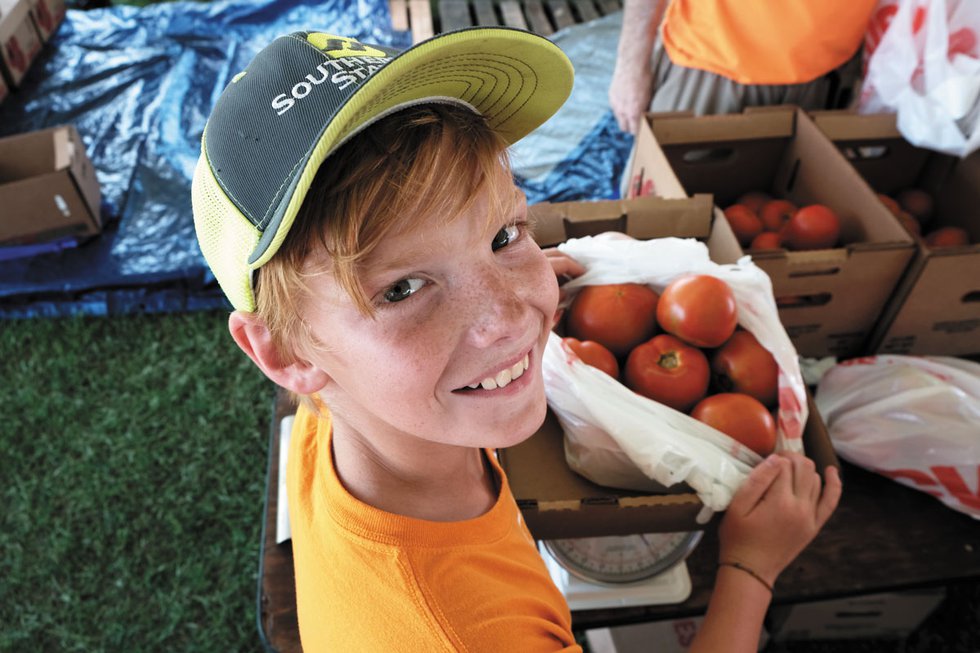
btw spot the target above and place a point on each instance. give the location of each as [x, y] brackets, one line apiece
[750, 572]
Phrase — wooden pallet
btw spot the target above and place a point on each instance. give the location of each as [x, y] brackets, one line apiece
[424, 18]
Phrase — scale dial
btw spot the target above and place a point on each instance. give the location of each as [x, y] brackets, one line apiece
[616, 560]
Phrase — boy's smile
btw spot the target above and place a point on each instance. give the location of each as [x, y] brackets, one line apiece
[503, 378]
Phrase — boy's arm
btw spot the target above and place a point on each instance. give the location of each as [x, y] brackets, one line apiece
[773, 516]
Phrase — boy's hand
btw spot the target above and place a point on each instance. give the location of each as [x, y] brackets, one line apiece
[776, 513]
[566, 268]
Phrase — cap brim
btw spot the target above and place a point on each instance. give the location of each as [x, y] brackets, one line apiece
[516, 79]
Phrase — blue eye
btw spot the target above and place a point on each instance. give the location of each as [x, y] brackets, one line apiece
[403, 289]
[505, 237]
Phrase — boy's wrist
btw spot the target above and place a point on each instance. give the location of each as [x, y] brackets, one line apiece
[749, 571]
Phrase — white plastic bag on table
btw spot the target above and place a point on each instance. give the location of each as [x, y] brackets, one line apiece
[926, 68]
[913, 419]
[618, 438]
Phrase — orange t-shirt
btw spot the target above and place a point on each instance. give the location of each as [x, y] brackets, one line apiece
[765, 41]
[369, 580]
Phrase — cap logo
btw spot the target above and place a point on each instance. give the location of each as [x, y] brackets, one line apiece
[349, 62]
[341, 46]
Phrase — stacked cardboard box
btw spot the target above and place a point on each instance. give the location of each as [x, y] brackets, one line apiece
[936, 308]
[48, 188]
[20, 42]
[47, 15]
[831, 299]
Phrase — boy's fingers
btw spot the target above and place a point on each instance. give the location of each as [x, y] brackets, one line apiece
[831, 495]
[804, 475]
[563, 264]
[755, 486]
[784, 482]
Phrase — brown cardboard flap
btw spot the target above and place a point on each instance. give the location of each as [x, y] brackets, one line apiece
[64, 148]
[851, 126]
[557, 502]
[670, 129]
[642, 218]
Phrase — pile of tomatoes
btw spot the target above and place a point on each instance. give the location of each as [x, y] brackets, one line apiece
[761, 221]
[682, 348]
[914, 208]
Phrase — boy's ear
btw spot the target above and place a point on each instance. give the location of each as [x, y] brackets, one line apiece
[253, 337]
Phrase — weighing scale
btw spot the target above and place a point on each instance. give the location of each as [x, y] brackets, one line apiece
[621, 571]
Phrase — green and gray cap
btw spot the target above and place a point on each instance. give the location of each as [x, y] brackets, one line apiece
[305, 94]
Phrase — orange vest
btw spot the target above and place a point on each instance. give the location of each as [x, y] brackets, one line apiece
[376, 582]
[765, 41]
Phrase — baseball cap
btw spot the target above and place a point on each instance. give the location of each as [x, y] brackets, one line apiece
[306, 93]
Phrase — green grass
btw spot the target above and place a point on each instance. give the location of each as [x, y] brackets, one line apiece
[134, 459]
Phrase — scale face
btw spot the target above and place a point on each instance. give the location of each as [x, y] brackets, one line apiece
[622, 559]
[598, 572]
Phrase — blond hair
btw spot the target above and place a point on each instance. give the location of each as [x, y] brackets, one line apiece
[426, 160]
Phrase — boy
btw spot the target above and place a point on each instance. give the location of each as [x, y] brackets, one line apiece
[400, 295]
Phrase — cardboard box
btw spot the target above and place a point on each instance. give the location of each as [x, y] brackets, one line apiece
[48, 188]
[830, 300]
[19, 41]
[557, 502]
[667, 636]
[47, 15]
[872, 616]
[936, 308]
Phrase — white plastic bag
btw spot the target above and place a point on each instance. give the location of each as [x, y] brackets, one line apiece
[926, 68]
[618, 438]
[913, 419]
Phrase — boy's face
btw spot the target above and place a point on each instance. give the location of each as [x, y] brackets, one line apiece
[457, 303]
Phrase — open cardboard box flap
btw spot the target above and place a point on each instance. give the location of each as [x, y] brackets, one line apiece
[641, 218]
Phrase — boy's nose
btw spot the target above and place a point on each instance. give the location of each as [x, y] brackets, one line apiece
[495, 310]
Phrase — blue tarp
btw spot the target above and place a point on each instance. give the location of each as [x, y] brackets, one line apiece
[138, 84]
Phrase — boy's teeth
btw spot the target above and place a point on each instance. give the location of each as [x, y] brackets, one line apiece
[504, 377]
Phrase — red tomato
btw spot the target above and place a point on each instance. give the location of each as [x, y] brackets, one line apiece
[947, 237]
[740, 417]
[754, 200]
[776, 213]
[767, 240]
[668, 370]
[812, 227]
[917, 202]
[699, 309]
[617, 316]
[744, 222]
[743, 365]
[594, 354]
[910, 223]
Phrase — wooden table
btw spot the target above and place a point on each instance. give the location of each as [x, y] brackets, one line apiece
[883, 537]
